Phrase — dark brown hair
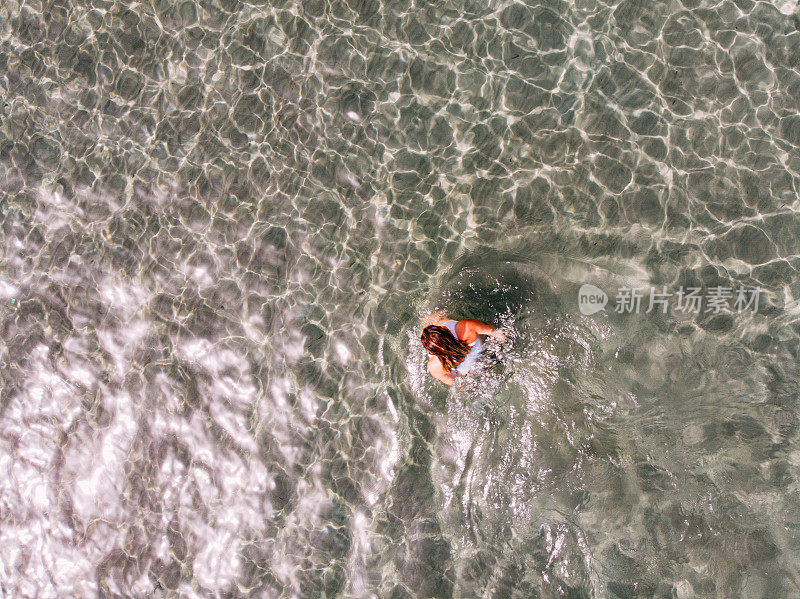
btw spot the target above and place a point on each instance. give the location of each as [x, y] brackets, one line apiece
[443, 344]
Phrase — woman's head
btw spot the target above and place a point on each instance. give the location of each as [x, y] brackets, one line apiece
[440, 342]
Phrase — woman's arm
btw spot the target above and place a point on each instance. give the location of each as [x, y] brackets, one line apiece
[480, 327]
[447, 379]
[437, 371]
[484, 328]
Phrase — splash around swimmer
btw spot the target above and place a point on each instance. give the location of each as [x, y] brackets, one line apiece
[454, 345]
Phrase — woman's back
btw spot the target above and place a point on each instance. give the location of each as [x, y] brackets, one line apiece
[469, 361]
[454, 345]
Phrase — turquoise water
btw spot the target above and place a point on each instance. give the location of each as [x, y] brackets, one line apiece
[223, 223]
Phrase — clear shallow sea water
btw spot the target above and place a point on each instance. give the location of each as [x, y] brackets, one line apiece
[223, 222]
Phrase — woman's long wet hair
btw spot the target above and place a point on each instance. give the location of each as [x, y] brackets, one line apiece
[440, 342]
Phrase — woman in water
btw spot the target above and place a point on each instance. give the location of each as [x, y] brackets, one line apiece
[454, 345]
